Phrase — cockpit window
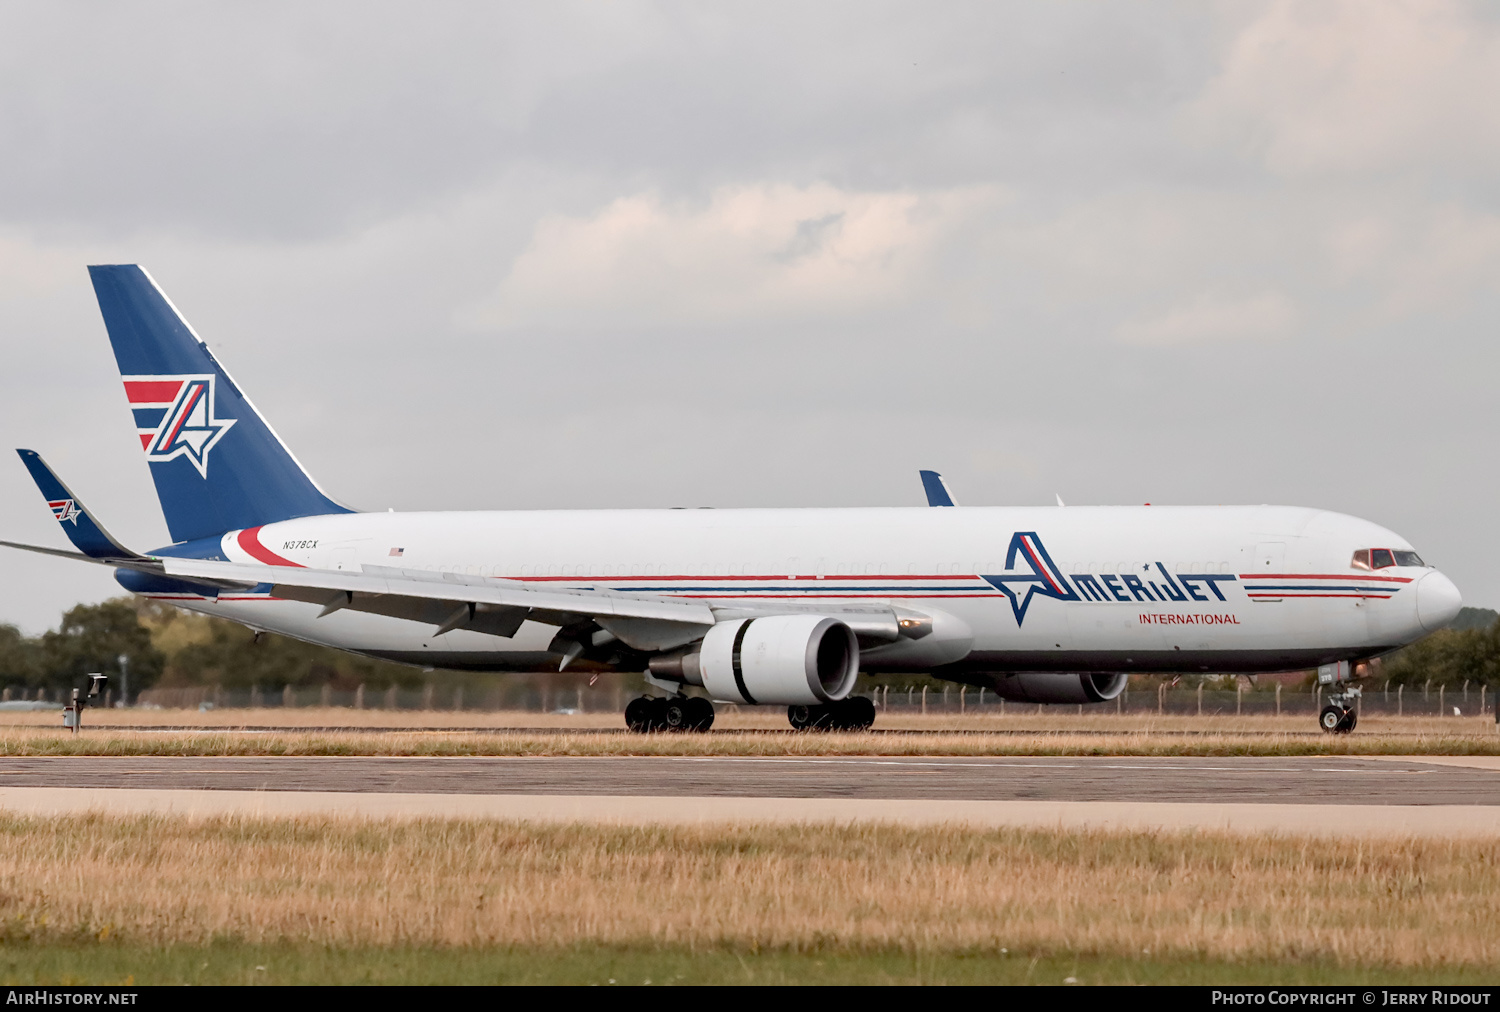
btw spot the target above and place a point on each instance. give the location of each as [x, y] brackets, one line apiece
[1384, 558]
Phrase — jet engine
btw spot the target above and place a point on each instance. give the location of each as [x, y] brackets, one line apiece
[787, 660]
[1054, 687]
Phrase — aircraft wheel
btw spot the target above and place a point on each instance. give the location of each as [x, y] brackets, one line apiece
[700, 713]
[808, 718]
[1347, 724]
[675, 714]
[857, 713]
[1329, 719]
[658, 714]
[845, 715]
[638, 715]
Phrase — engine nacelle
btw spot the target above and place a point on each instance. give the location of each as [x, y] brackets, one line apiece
[786, 660]
[1055, 687]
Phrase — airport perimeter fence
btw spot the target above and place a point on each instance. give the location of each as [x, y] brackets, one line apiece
[1394, 701]
[453, 698]
[538, 697]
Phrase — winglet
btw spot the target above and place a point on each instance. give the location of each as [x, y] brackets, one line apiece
[936, 489]
[86, 533]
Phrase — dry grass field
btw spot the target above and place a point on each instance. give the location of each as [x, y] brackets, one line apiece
[242, 900]
[166, 899]
[314, 731]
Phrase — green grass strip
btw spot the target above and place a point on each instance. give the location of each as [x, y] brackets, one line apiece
[110, 964]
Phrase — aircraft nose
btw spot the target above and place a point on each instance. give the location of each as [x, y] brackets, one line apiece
[1438, 601]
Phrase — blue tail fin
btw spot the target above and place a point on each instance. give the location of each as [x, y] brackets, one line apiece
[936, 489]
[217, 465]
[86, 533]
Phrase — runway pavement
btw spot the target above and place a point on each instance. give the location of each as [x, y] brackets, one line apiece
[1311, 781]
[1346, 821]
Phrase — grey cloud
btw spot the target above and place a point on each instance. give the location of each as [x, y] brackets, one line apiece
[289, 121]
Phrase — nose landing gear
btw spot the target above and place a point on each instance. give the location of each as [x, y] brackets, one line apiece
[1338, 718]
[669, 713]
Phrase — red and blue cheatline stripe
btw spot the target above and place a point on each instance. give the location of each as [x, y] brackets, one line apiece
[767, 587]
[1279, 585]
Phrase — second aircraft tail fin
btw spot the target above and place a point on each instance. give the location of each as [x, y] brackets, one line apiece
[936, 489]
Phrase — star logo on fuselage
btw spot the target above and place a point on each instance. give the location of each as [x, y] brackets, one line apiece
[1041, 579]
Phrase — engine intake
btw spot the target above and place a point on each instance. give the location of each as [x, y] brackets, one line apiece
[1053, 687]
[787, 660]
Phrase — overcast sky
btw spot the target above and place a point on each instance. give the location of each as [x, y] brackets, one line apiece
[611, 254]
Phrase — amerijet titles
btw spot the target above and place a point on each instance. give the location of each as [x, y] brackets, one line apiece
[1191, 618]
[1153, 584]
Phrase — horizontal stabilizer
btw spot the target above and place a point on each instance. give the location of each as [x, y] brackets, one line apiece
[136, 563]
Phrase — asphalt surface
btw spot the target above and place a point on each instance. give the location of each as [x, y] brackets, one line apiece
[1305, 781]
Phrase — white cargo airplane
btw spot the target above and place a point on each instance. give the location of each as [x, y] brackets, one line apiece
[757, 606]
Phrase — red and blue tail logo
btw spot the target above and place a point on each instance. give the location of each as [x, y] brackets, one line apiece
[187, 409]
[174, 417]
[65, 510]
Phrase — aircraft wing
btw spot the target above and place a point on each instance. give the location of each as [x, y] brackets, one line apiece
[451, 601]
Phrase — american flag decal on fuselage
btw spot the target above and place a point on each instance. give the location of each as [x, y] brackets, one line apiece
[174, 417]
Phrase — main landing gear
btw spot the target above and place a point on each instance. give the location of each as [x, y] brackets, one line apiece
[855, 713]
[669, 713]
[645, 714]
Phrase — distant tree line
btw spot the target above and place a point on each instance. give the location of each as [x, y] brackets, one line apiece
[167, 647]
[91, 637]
[1467, 651]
